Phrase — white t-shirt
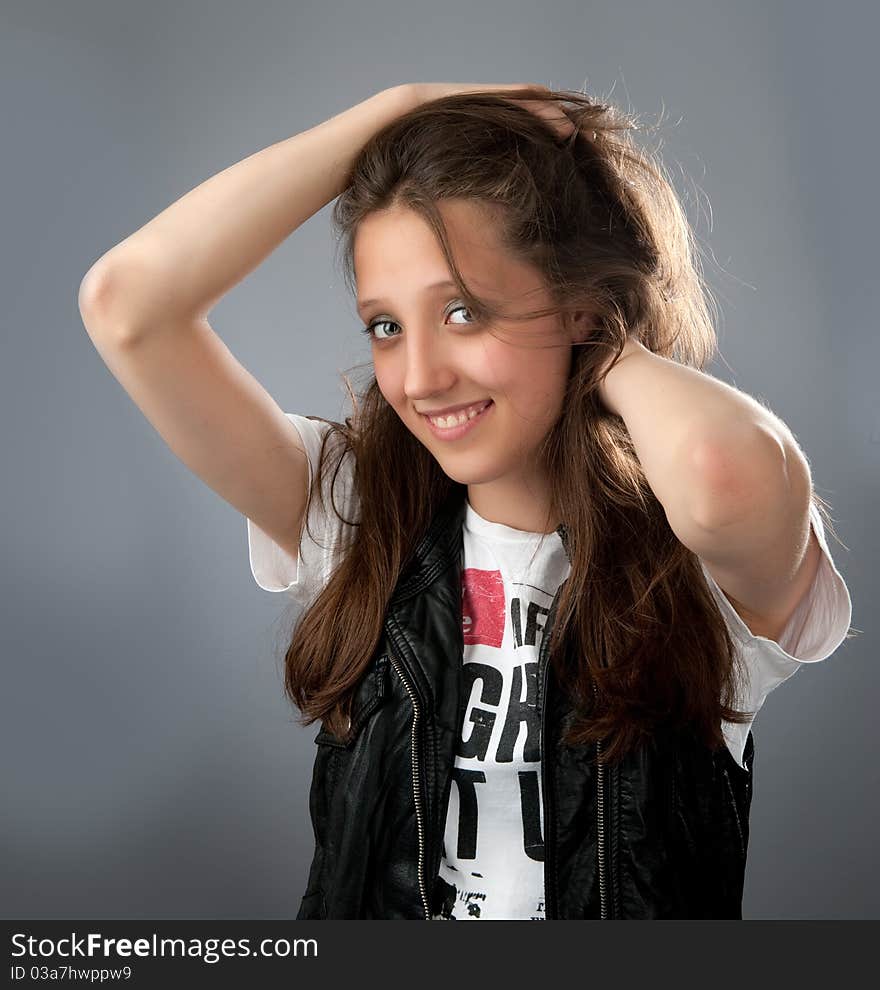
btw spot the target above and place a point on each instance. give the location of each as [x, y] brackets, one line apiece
[493, 844]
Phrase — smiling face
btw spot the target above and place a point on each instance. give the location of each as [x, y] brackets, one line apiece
[430, 352]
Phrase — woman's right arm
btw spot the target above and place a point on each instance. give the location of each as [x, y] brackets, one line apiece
[144, 305]
[179, 264]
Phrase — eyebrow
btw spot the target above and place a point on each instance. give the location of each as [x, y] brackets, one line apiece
[445, 284]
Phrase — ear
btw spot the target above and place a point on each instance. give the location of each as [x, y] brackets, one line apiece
[581, 326]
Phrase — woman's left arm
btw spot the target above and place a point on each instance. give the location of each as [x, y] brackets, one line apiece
[733, 481]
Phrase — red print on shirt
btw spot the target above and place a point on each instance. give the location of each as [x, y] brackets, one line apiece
[482, 606]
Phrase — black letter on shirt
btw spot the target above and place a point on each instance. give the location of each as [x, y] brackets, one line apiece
[467, 810]
[521, 711]
[491, 680]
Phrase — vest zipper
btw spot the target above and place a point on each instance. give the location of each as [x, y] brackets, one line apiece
[416, 789]
[549, 864]
[600, 787]
[600, 825]
[600, 781]
[739, 831]
[549, 892]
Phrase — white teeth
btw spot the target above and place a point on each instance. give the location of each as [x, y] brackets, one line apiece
[456, 419]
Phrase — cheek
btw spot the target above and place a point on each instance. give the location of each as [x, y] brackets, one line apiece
[497, 368]
[388, 382]
[525, 369]
[538, 379]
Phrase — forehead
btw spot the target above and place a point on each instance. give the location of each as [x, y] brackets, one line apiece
[398, 247]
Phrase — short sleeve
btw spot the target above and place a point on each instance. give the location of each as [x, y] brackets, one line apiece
[303, 577]
[815, 630]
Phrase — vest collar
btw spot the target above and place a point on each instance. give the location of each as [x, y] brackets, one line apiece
[440, 542]
[433, 553]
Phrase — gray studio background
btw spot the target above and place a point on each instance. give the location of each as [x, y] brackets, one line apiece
[151, 767]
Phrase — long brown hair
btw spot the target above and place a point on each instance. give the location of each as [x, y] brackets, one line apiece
[598, 217]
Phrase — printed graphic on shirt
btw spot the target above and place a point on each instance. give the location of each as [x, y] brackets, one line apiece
[493, 850]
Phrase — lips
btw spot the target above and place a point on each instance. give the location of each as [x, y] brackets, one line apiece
[466, 426]
[456, 412]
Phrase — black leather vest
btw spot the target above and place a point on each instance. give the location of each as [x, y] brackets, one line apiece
[662, 835]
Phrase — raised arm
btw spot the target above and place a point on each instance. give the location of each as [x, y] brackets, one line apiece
[177, 266]
[144, 306]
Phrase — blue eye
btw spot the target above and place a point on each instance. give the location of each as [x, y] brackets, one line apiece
[370, 329]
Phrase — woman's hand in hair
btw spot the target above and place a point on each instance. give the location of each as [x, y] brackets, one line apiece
[632, 347]
[533, 97]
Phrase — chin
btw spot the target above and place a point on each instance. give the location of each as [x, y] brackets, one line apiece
[469, 475]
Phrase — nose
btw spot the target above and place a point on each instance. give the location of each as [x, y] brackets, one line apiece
[428, 370]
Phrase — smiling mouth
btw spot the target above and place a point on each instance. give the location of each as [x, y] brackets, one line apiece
[459, 425]
[452, 420]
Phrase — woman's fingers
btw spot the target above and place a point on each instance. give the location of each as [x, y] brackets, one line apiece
[552, 113]
[548, 110]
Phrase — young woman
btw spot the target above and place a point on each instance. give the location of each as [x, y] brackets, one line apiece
[549, 568]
